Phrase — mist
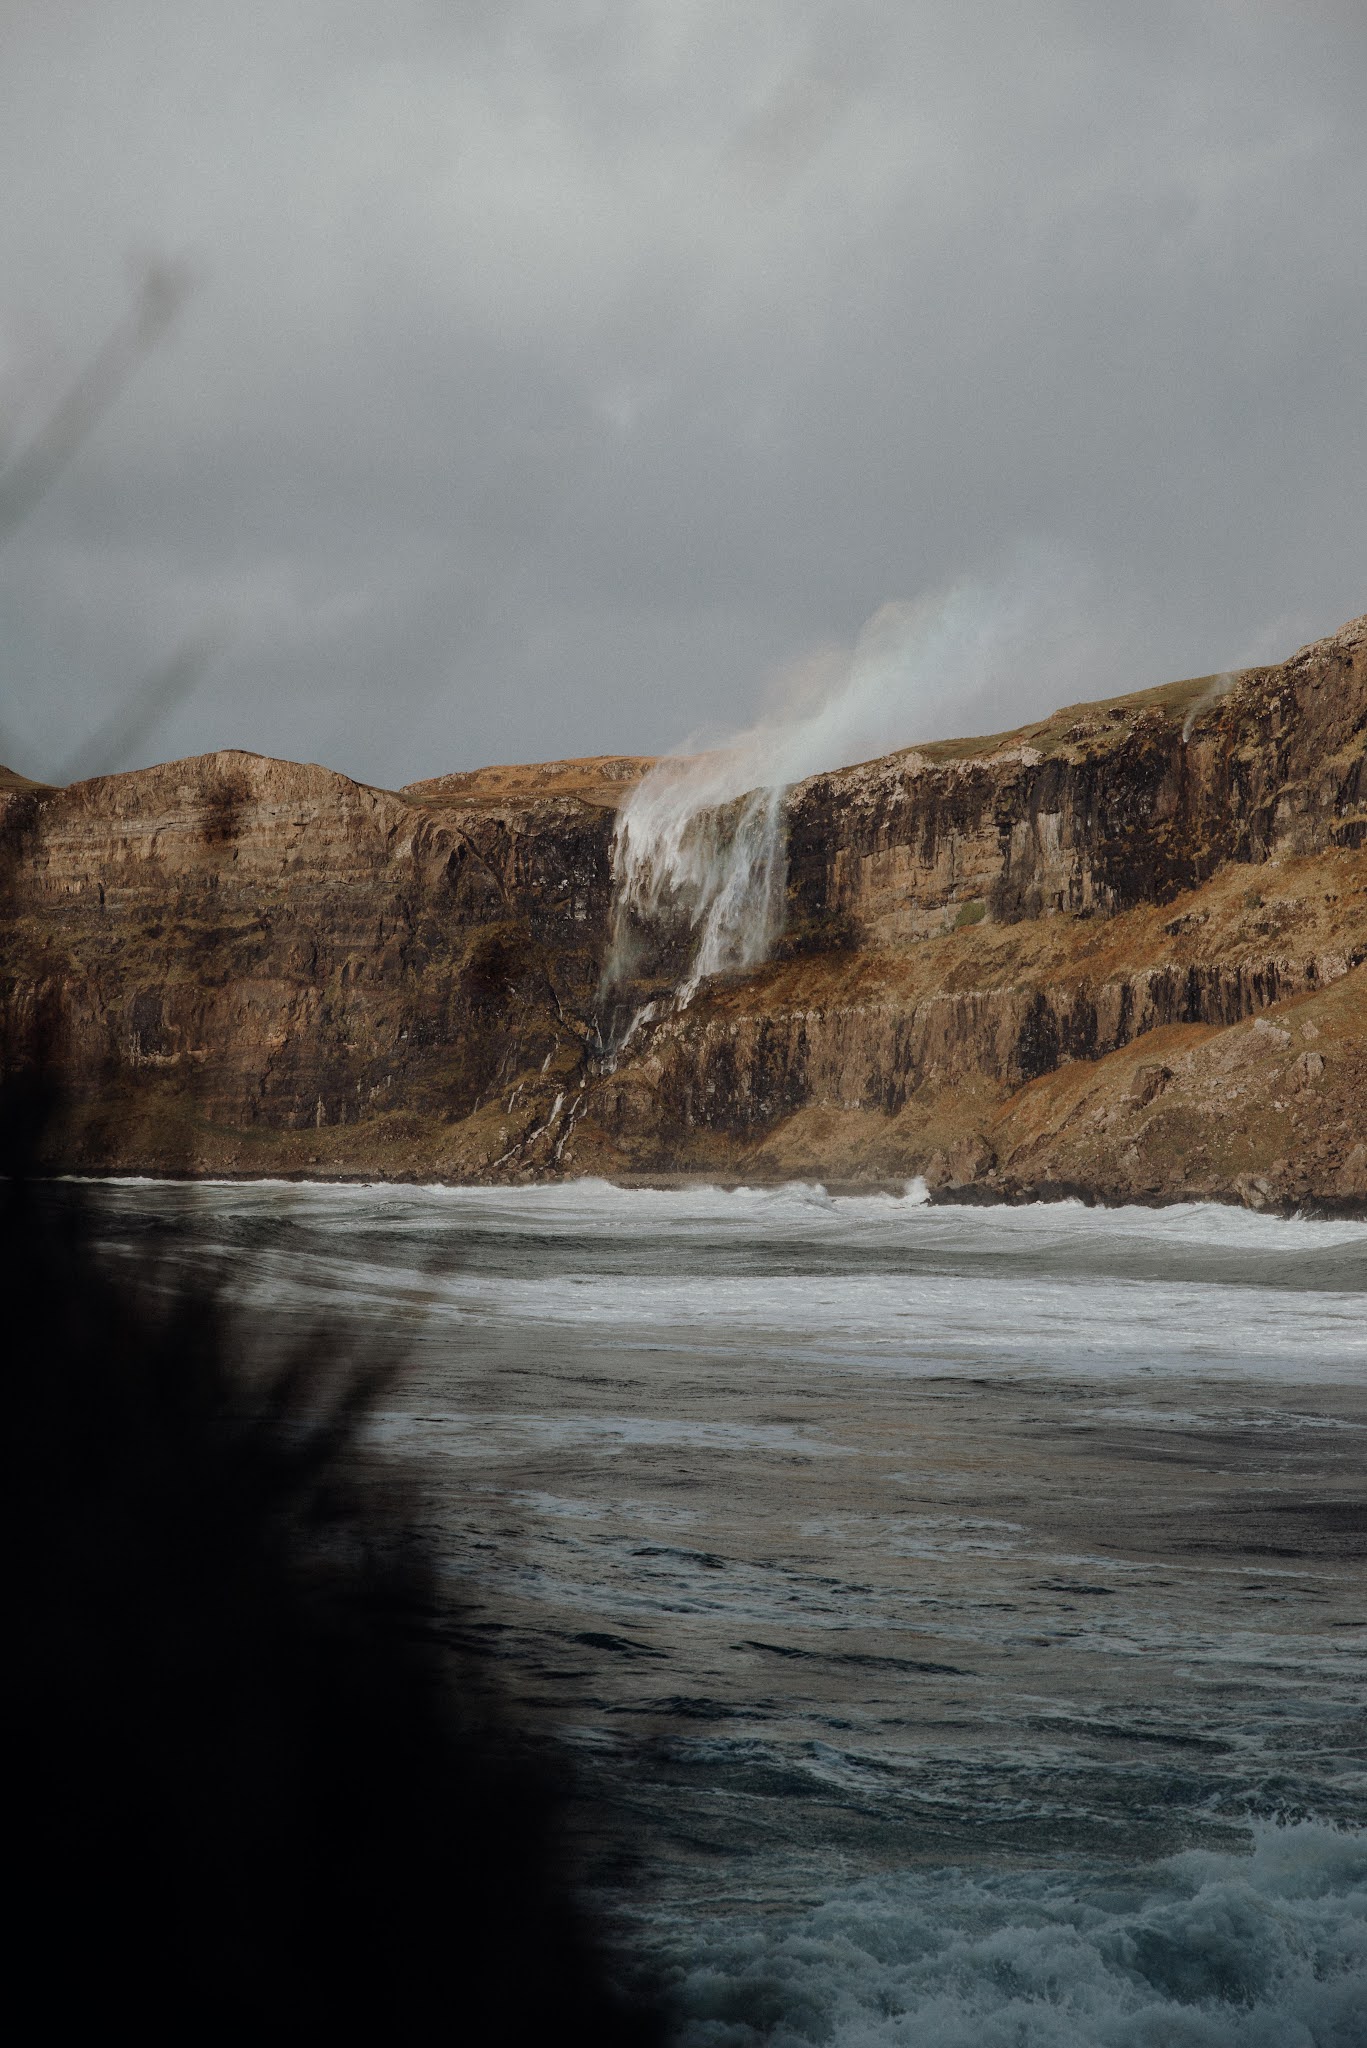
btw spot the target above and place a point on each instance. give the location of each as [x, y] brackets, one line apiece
[701, 839]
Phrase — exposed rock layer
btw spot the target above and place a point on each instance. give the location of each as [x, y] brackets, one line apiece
[1120, 951]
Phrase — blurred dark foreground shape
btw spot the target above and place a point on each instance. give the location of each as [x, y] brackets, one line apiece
[248, 1788]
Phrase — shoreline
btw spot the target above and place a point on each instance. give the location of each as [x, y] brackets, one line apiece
[1045, 1194]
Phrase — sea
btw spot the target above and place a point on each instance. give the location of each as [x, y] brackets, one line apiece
[955, 1614]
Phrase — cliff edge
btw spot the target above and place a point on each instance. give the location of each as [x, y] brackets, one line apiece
[1122, 952]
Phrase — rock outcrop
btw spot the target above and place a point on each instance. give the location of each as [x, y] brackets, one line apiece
[1122, 951]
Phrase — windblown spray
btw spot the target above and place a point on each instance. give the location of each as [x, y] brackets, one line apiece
[700, 857]
[699, 868]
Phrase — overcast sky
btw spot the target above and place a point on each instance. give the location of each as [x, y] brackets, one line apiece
[564, 377]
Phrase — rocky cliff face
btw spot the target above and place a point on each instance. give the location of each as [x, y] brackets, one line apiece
[1120, 951]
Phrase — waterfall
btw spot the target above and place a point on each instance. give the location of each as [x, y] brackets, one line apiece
[700, 856]
[699, 868]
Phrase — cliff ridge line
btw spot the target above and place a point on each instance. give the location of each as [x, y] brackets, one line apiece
[1033, 960]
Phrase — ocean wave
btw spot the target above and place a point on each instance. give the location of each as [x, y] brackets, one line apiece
[1265, 1950]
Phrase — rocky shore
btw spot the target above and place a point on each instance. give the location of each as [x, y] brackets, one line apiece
[1121, 952]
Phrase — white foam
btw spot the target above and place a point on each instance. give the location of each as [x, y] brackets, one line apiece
[576, 1204]
[915, 1324]
[477, 1433]
[1267, 1950]
[877, 1280]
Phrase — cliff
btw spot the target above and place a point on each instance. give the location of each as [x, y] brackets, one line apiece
[1119, 951]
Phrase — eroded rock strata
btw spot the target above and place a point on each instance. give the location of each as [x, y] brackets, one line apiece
[1122, 951]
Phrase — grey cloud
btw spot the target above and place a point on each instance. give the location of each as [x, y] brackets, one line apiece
[564, 373]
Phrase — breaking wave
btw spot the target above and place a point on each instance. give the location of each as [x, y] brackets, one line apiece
[1203, 1951]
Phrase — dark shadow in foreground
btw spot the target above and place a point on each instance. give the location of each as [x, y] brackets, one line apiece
[247, 1788]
